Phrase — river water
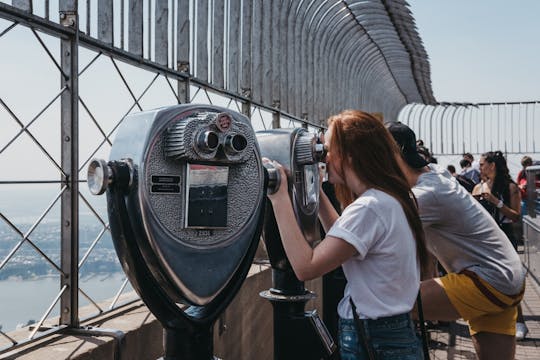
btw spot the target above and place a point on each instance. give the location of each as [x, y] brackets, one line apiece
[27, 300]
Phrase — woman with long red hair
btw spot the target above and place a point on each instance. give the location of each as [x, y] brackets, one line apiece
[378, 239]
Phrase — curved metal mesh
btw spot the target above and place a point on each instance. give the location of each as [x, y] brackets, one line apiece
[283, 63]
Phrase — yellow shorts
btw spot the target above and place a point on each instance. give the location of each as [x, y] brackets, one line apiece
[485, 308]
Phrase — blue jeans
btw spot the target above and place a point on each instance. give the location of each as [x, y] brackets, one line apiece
[390, 337]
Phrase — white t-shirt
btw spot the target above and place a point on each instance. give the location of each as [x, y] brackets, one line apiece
[384, 278]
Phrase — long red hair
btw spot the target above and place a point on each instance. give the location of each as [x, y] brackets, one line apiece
[365, 146]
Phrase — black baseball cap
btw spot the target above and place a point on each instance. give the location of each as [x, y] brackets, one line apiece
[406, 141]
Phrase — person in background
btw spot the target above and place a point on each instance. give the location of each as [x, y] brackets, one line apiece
[378, 238]
[468, 171]
[474, 164]
[426, 154]
[467, 183]
[499, 195]
[485, 278]
[521, 181]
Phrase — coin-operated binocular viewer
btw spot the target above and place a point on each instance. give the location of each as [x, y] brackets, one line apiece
[297, 334]
[185, 193]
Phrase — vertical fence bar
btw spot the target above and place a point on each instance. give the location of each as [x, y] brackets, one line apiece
[484, 126]
[291, 57]
[247, 7]
[491, 127]
[218, 27]
[25, 5]
[414, 119]
[435, 107]
[470, 111]
[173, 12]
[441, 127]
[514, 116]
[276, 120]
[420, 117]
[275, 65]
[183, 50]
[88, 19]
[498, 127]
[202, 40]
[508, 120]
[463, 117]
[413, 106]
[304, 60]
[161, 26]
[526, 127]
[477, 121]
[266, 52]
[505, 128]
[533, 121]
[284, 46]
[69, 117]
[452, 137]
[312, 77]
[135, 25]
[452, 130]
[297, 63]
[105, 21]
[256, 51]
[149, 30]
[122, 24]
[233, 62]
[519, 127]
[321, 59]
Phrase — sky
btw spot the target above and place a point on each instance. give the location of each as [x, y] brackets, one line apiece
[481, 50]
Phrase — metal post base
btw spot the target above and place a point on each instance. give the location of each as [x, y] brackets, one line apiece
[188, 344]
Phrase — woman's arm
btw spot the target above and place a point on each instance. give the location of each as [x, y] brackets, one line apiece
[306, 262]
[327, 213]
[513, 210]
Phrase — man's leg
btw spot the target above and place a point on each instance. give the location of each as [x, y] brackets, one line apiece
[494, 346]
[435, 303]
[437, 306]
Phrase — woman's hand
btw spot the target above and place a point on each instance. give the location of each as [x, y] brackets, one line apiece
[282, 193]
[486, 195]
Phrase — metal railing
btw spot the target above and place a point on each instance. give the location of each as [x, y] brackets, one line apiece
[72, 70]
[456, 128]
[531, 224]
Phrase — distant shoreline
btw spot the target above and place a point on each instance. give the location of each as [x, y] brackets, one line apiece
[86, 277]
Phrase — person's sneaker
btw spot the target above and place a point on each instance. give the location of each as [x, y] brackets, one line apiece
[521, 331]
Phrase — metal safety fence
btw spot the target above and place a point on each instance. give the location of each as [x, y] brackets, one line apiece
[72, 70]
[456, 128]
